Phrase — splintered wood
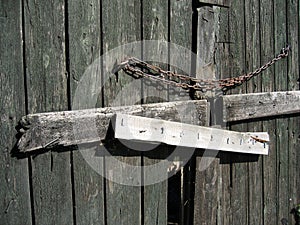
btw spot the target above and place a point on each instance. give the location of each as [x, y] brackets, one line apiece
[136, 128]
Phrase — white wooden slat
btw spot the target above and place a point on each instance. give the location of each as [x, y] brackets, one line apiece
[136, 128]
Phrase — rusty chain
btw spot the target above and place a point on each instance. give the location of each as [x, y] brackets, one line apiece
[140, 69]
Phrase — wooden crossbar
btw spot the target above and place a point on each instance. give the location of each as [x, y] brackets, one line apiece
[137, 128]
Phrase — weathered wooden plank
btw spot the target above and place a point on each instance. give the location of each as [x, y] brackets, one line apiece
[255, 207]
[206, 42]
[182, 16]
[206, 170]
[293, 123]
[239, 179]
[58, 128]
[155, 27]
[222, 71]
[84, 47]
[136, 128]
[282, 151]
[15, 205]
[268, 83]
[47, 91]
[258, 105]
[216, 2]
[120, 25]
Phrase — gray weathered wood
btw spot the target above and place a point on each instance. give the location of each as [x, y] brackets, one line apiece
[57, 128]
[268, 83]
[222, 59]
[155, 27]
[15, 192]
[239, 178]
[181, 33]
[216, 2]
[280, 71]
[121, 22]
[136, 128]
[84, 48]
[254, 85]
[293, 123]
[207, 173]
[47, 91]
[258, 105]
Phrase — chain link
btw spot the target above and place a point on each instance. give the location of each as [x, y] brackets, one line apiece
[140, 69]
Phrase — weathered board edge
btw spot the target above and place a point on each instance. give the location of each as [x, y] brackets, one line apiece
[48, 130]
[258, 105]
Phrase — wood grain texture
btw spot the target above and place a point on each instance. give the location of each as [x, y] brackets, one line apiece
[15, 205]
[252, 26]
[280, 71]
[293, 123]
[136, 128]
[84, 49]
[216, 2]
[121, 24]
[259, 105]
[47, 91]
[155, 27]
[239, 171]
[222, 63]
[181, 33]
[268, 84]
[58, 128]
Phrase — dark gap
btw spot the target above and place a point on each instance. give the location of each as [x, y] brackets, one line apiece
[101, 53]
[24, 60]
[199, 4]
[27, 111]
[189, 192]
[174, 198]
[69, 96]
[103, 105]
[51, 162]
[192, 92]
[142, 101]
[67, 55]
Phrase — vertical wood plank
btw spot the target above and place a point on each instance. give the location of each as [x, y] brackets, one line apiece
[84, 48]
[223, 71]
[181, 16]
[269, 163]
[15, 205]
[155, 27]
[293, 19]
[254, 85]
[207, 172]
[282, 150]
[181, 33]
[239, 183]
[121, 25]
[47, 91]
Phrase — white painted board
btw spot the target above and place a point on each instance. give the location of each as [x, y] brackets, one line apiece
[136, 128]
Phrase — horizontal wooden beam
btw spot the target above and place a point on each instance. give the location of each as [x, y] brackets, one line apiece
[257, 105]
[45, 130]
[70, 128]
[137, 128]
